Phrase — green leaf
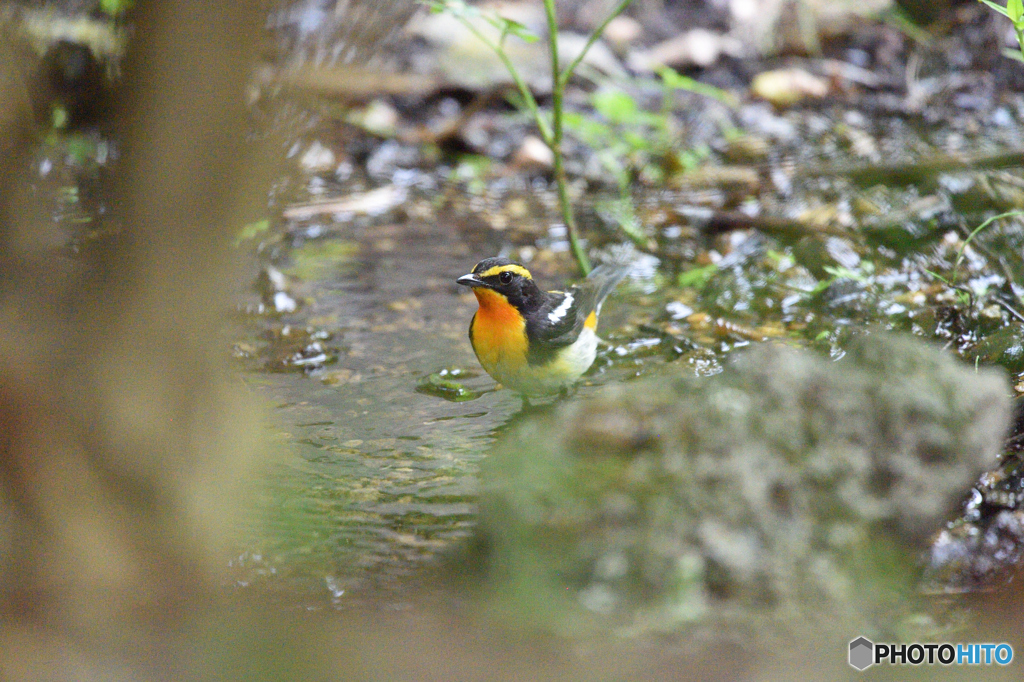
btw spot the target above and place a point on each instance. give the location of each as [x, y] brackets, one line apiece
[59, 117]
[898, 19]
[1010, 53]
[674, 80]
[513, 28]
[998, 8]
[819, 287]
[457, 8]
[251, 231]
[688, 159]
[572, 119]
[593, 133]
[839, 272]
[697, 277]
[1014, 10]
[636, 141]
[114, 7]
[975, 232]
[615, 105]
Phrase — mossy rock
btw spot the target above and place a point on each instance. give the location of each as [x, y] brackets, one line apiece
[789, 488]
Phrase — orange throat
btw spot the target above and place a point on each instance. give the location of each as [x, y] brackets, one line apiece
[498, 332]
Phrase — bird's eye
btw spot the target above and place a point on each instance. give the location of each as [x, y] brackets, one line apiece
[505, 277]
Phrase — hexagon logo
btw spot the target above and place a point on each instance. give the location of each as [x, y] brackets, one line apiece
[862, 653]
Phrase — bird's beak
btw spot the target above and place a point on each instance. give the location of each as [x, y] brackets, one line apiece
[471, 280]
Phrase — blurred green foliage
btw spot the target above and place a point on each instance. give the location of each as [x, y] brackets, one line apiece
[116, 7]
[1014, 11]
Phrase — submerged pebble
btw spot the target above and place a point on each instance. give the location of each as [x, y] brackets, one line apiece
[444, 385]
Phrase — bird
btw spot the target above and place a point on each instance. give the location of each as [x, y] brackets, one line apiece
[532, 341]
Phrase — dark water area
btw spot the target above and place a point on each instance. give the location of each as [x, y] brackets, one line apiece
[371, 476]
[375, 477]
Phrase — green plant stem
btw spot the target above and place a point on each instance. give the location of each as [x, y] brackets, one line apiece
[568, 218]
[557, 105]
[566, 74]
[524, 90]
[552, 133]
[559, 79]
[974, 233]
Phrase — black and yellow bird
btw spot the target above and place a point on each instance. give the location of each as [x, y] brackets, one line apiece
[532, 341]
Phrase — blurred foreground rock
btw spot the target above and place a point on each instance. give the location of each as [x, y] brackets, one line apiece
[787, 490]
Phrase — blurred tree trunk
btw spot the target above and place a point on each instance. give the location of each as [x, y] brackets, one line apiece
[121, 442]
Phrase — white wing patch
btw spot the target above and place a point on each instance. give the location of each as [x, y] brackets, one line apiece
[559, 312]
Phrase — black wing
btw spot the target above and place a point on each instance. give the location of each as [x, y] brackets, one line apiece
[558, 322]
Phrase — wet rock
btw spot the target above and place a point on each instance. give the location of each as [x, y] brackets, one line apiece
[742, 179]
[773, 26]
[374, 202]
[761, 118]
[1004, 347]
[747, 148]
[983, 548]
[378, 118]
[785, 488]
[786, 87]
[445, 384]
[291, 349]
[599, 56]
[845, 297]
[75, 83]
[533, 155]
[969, 557]
[389, 158]
[840, 251]
[861, 144]
[697, 47]
[273, 288]
[317, 158]
[622, 32]
[459, 58]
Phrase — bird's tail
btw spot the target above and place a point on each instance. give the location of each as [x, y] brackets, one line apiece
[605, 278]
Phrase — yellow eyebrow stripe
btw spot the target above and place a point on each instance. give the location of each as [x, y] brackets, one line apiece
[498, 269]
